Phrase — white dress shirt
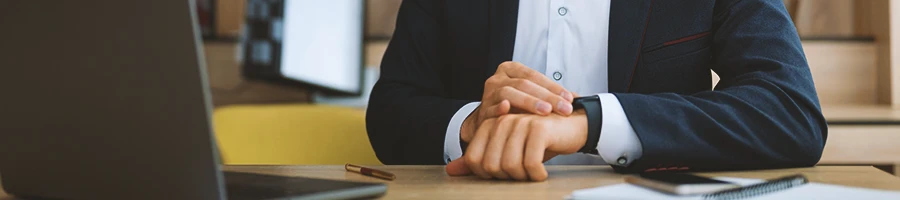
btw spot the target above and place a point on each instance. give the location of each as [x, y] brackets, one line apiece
[567, 40]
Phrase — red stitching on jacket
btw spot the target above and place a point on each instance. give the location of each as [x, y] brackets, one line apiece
[685, 39]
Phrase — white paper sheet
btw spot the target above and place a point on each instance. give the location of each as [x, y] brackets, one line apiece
[807, 191]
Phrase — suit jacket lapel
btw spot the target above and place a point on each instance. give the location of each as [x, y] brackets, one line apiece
[502, 32]
[628, 20]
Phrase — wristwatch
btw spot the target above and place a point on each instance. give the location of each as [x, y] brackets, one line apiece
[594, 112]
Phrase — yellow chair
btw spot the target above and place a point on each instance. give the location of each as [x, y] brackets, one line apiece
[292, 135]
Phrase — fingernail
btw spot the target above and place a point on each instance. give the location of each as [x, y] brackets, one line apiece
[564, 107]
[543, 107]
[568, 96]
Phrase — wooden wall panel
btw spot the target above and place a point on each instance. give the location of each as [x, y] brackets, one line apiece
[381, 16]
[791, 6]
[229, 17]
[863, 18]
[824, 18]
[886, 28]
[889, 72]
[844, 71]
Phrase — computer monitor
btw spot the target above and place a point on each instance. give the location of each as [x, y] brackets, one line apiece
[308, 42]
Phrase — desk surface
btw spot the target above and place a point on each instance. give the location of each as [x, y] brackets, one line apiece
[419, 182]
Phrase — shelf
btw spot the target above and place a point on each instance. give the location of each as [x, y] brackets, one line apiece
[870, 145]
[861, 115]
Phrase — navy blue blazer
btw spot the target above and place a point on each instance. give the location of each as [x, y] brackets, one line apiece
[764, 112]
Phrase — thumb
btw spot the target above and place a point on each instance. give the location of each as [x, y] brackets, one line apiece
[458, 168]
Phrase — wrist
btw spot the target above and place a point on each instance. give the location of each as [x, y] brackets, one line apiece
[581, 121]
[469, 125]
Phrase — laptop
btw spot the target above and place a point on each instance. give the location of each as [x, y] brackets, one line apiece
[108, 99]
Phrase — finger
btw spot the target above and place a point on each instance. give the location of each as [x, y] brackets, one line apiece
[497, 110]
[535, 146]
[560, 105]
[518, 70]
[522, 100]
[475, 152]
[494, 151]
[458, 168]
[514, 150]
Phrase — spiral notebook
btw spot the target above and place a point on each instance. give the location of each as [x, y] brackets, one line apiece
[786, 190]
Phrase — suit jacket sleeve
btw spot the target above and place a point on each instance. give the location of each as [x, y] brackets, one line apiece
[409, 110]
[764, 113]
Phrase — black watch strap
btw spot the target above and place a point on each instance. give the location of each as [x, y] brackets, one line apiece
[594, 112]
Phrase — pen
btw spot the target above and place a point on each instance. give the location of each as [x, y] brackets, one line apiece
[370, 172]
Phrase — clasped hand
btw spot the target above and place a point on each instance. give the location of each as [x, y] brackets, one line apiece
[516, 128]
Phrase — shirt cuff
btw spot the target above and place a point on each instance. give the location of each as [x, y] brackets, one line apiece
[618, 144]
[452, 149]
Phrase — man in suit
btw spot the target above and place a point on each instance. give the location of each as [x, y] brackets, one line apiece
[643, 66]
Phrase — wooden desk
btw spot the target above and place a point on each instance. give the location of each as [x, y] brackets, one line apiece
[431, 182]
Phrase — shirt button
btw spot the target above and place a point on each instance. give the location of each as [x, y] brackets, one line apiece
[562, 11]
[557, 75]
[622, 160]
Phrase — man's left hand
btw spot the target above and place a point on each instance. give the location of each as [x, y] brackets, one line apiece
[515, 146]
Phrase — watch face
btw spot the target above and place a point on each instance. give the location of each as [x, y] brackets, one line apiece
[578, 103]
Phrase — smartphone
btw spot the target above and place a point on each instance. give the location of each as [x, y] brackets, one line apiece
[679, 183]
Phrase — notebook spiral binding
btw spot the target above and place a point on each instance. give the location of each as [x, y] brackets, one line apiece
[758, 189]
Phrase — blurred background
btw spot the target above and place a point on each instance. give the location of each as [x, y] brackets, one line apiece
[264, 106]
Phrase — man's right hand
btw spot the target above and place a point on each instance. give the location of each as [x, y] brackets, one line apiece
[517, 88]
